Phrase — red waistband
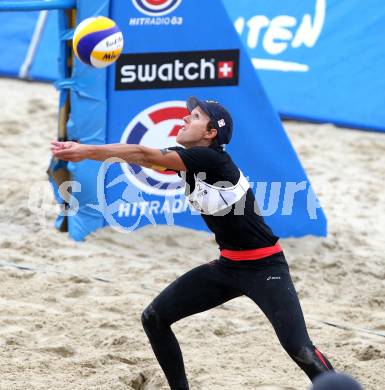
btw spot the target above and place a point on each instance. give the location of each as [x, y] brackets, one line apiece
[251, 254]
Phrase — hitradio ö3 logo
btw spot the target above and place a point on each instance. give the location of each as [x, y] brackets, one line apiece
[156, 7]
[156, 127]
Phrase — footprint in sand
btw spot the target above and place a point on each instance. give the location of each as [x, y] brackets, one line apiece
[63, 351]
[36, 105]
[369, 353]
[76, 292]
[121, 340]
[171, 242]
[79, 279]
[12, 127]
[141, 381]
[136, 382]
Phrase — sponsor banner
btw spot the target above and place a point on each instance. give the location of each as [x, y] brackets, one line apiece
[309, 56]
[177, 69]
[147, 91]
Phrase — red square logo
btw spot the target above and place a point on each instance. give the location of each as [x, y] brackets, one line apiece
[225, 69]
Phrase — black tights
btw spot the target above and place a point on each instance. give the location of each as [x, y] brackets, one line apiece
[267, 282]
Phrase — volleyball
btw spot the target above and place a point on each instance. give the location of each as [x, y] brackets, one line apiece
[97, 41]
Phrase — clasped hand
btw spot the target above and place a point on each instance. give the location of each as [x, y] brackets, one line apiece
[69, 151]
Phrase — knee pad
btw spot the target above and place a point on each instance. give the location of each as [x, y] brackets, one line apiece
[150, 318]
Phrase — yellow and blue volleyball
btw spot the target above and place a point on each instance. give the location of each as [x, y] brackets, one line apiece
[97, 41]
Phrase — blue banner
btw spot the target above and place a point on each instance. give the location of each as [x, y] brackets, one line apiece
[174, 50]
[16, 32]
[31, 42]
[320, 60]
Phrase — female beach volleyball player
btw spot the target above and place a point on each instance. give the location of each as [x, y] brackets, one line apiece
[251, 260]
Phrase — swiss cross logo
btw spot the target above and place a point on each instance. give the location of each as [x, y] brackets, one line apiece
[225, 69]
[221, 123]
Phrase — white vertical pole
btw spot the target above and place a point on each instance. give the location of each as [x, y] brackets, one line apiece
[41, 21]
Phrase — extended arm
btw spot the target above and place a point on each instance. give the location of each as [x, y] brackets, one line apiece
[136, 154]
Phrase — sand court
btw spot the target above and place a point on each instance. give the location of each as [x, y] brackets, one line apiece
[70, 312]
